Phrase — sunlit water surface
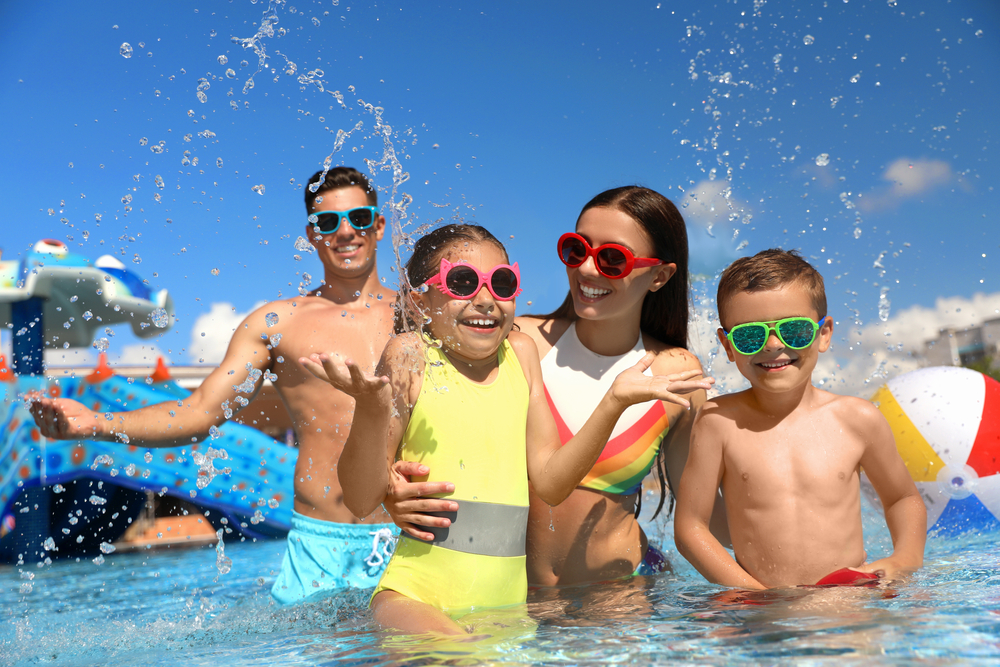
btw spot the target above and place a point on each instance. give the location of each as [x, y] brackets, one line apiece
[174, 607]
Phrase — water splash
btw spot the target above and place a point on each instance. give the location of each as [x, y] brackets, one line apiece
[206, 465]
[125, 50]
[271, 319]
[222, 562]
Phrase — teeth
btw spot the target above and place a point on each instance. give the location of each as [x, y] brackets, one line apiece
[347, 248]
[481, 323]
[592, 292]
[775, 364]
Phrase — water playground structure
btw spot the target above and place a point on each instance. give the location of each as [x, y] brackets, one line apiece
[64, 498]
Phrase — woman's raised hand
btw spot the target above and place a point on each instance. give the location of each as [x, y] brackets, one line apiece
[634, 386]
[344, 376]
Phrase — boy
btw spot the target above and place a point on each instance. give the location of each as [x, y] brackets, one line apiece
[786, 454]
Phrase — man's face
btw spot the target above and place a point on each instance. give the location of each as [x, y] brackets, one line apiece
[346, 251]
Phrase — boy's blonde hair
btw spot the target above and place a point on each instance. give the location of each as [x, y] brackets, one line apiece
[769, 270]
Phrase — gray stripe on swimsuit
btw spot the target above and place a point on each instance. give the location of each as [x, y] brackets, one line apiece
[484, 529]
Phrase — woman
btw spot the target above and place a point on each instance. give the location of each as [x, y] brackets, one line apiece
[627, 266]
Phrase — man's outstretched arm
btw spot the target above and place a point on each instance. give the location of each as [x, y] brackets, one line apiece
[175, 422]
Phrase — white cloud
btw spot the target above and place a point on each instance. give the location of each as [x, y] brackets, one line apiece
[861, 359]
[907, 178]
[212, 331]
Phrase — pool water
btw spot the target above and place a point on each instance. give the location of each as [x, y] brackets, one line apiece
[176, 607]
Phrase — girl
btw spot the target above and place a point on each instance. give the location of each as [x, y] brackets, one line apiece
[627, 265]
[467, 401]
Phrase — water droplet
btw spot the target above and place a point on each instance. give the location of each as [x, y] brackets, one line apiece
[259, 189]
[808, 39]
[214, 432]
[891, 3]
[136, 259]
[215, 272]
[143, 141]
[230, 73]
[160, 319]
[159, 181]
[125, 50]
[87, 315]
[218, 162]
[822, 159]
[202, 97]
[857, 232]
[315, 21]
[223, 60]
[107, 548]
[271, 319]
[49, 544]
[303, 245]
[101, 344]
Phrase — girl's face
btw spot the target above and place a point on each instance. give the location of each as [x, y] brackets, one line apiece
[596, 297]
[472, 329]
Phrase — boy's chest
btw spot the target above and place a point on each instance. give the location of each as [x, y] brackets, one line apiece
[810, 456]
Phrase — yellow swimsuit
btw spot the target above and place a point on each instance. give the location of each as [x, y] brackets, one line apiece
[472, 435]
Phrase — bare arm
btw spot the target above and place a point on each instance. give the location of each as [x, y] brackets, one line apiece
[905, 513]
[381, 410]
[695, 501]
[555, 469]
[677, 440]
[176, 422]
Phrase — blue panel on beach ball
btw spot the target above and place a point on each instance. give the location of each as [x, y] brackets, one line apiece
[965, 515]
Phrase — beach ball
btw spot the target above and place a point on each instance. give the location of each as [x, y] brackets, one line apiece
[946, 421]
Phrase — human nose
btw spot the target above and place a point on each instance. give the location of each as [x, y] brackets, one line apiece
[773, 342]
[589, 267]
[484, 299]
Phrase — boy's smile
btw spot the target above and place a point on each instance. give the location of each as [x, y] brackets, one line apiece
[775, 367]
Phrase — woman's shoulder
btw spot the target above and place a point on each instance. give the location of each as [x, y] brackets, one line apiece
[542, 330]
[669, 358]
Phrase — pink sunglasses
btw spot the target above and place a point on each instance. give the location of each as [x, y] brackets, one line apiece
[461, 281]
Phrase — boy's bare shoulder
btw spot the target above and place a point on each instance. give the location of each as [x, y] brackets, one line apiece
[854, 413]
[405, 343]
[522, 343]
[725, 407]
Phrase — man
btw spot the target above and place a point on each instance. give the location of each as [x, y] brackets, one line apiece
[350, 313]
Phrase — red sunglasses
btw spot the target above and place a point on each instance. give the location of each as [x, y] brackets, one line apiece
[612, 260]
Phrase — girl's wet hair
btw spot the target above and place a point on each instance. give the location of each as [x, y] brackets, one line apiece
[425, 262]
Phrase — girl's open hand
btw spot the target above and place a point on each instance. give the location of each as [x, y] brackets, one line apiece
[346, 376]
[633, 386]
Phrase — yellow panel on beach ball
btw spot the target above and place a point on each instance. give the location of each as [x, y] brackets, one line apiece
[921, 460]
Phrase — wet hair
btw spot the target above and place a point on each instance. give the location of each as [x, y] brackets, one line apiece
[770, 270]
[335, 179]
[664, 312]
[425, 262]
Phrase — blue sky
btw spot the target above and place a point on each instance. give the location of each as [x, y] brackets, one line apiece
[862, 133]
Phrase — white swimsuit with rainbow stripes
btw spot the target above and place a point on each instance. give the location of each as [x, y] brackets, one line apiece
[575, 381]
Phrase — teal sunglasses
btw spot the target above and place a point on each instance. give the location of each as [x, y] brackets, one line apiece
[796, 333]
[360, 218]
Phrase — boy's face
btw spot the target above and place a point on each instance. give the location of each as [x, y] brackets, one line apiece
[776, 368]
[347, 251]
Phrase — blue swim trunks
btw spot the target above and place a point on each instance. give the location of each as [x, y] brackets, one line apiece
[323, 556]
[653, 562]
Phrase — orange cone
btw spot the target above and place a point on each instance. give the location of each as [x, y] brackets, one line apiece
[6, 375]
[102, 371]
[161, 373]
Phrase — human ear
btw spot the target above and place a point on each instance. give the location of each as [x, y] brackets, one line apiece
[725, 344]
[825, 334]
[379, 228]
[662, 276]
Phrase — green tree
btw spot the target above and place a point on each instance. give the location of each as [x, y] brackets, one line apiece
[987, 366]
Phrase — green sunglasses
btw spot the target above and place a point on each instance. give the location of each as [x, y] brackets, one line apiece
[796, 333]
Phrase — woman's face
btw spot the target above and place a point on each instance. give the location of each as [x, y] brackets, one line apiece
[596, 297]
